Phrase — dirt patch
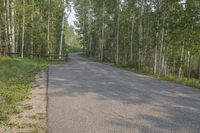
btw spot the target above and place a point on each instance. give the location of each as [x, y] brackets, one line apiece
[32, 119]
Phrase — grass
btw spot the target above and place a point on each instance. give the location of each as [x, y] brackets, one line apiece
[169, 77]
[28, 107]
[191, 82]
[184, 81]
[16, 77]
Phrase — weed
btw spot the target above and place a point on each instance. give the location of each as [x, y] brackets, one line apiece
[16, 78]
[28, 107]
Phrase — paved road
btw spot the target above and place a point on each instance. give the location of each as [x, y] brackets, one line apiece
[89, 97]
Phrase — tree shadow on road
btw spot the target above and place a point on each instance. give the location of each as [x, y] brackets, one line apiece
[162, 106]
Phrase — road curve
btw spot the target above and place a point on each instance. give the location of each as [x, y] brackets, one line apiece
[89, 97]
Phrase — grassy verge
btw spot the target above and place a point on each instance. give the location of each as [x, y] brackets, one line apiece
[16, 77]
[184, 81]
[169, 77]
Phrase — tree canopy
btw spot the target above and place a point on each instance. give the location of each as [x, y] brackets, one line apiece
[160, 36]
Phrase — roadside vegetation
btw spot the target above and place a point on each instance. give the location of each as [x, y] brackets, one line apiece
[30, 30]
[192, 82]
[16, 78]
[157, 37]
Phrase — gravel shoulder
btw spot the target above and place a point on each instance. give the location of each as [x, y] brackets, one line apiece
[32, 119]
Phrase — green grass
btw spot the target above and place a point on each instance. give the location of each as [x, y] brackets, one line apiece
[169, 77]
[184, 81]
[16, 77]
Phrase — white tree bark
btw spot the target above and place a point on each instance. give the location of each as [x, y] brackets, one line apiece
[48, 29]
[182, 54]
[118, 21]
[23, 30]
[155, 59]
[61, 37]
[6, 26]
[162, 49]
[32, 23]
[13, 27]
[189, 64]
[102, 34]
[9, 23]
[131, 44]
[63, 28]
[140, 32]
[90, 26]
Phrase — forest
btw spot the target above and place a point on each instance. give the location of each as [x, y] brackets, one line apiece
[156, 36]
[160, 38]
[33, 27]
[33, 35]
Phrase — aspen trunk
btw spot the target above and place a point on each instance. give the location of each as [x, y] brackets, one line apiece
[180, 68]
[62, 31]
[84, 39]
[17, 38]
[9, 23]
[13, 27]
[32, 23]
[155, 59]
[118, 19]
[165, 67]
[161, 60]
[23, 30]
[199, 69]
[131, 45]
[189, 64]
[48, 29]
[99, 42]
[63, 28]
[140, 34]
[102, 40]
[61, 37]
[90, 27]
[6, 27]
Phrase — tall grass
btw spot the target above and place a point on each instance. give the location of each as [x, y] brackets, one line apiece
[16, 77]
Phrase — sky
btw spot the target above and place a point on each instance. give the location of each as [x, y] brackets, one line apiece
[72, 18]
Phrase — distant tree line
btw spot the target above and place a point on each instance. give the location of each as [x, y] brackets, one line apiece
[158, 36]
[32, 27]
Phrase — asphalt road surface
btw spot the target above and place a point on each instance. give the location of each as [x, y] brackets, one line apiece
[89, 97]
